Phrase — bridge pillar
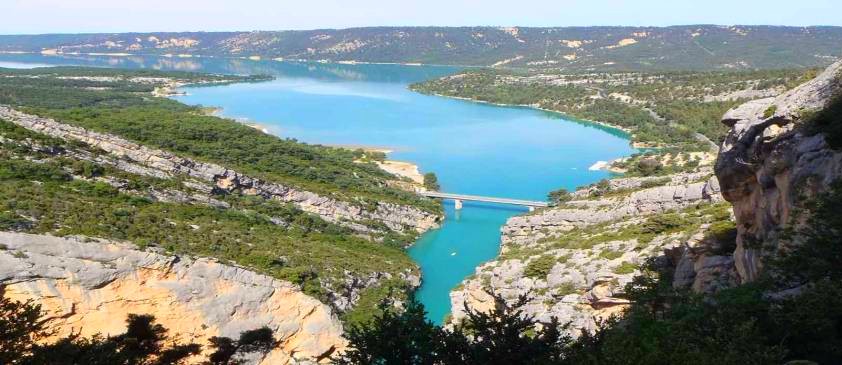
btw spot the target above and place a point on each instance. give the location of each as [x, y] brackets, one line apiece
[458, 203]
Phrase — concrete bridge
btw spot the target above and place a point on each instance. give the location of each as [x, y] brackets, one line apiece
[459, 198]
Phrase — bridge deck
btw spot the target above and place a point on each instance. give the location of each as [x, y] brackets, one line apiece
[487, 199]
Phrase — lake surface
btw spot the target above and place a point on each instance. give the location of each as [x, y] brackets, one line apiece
[474, 148]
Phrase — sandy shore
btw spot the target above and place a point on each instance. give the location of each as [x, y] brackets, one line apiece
[399, 168]
[404, 169]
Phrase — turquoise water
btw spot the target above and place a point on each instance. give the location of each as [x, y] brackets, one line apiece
[474, 148]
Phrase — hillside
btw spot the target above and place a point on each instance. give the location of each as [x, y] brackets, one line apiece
[91, 152]
[692, 47]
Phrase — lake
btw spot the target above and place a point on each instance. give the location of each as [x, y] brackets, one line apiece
[474, 148]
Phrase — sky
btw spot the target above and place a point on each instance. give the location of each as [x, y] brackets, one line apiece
[91, 16]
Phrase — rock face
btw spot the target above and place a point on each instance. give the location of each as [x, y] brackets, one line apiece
[582, 276]
[682, 190]
[769, 164]
[88, 287]
[160, 163]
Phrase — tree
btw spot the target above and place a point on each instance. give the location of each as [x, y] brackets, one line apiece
[395, 337]
[559, 196]
[259, 340]
[20, 328]
[503, 335]
[431, 181]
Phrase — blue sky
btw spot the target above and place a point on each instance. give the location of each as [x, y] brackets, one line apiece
[63, 16]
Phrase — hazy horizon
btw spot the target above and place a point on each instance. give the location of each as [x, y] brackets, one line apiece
[102, 16]
[438, 26]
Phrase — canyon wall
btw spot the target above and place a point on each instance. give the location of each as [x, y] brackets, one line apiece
[772, 163]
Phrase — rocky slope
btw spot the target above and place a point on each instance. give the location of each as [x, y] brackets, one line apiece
[89, 286]
[772, 162]
[574, 260]
[158, 163]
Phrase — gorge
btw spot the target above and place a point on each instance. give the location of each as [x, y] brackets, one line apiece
[572, 259]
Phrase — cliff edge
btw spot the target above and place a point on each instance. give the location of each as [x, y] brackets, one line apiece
[772, 162]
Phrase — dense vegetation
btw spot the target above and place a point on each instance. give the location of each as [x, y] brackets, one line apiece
[690, 47]
[660, 109]
[78, 96]
[23, 329]
[793, 313]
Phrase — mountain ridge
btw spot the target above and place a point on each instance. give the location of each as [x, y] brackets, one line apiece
[685, 47]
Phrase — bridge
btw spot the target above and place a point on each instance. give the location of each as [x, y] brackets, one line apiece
[459, 198]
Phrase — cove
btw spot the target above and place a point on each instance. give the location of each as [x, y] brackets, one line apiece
[474, 148]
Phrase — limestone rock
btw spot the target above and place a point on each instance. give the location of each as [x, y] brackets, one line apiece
[768, 165]
[90, 286]
[687, 190]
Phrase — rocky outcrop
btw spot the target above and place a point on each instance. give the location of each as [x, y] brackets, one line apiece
[573, 262]
[770, 165]
[158, 163]
[89, 286]
[682, 190]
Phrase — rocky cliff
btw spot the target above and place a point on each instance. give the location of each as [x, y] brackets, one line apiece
[89, 286]
[158, 163]
[772, 162]
[574, 260]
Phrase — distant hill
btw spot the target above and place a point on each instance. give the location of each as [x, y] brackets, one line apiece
[691, 47]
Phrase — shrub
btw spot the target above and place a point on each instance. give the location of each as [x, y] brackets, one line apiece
[559, 196]
[625, 268]
[431, 181]
[540, 267]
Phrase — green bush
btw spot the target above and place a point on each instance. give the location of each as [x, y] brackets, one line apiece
[540, 267]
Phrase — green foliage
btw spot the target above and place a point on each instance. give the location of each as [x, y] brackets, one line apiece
[828, 121]
[431, 182]
[654, 182]
[601, 188]
[20, 328]
[661, 223]
[369, 304]
[625, 268]
[559, 196]
[610, 254]
[539, 268]
[501, 336]
[770, 111]
[226, 350]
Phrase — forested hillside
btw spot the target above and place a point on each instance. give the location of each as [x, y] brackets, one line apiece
[696, 47]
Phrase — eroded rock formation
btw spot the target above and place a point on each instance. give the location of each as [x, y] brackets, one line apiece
[89, 286]
[771, 164]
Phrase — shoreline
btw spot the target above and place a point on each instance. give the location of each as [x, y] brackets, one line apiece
[401, 169]
[531, 106]
[250, 58]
